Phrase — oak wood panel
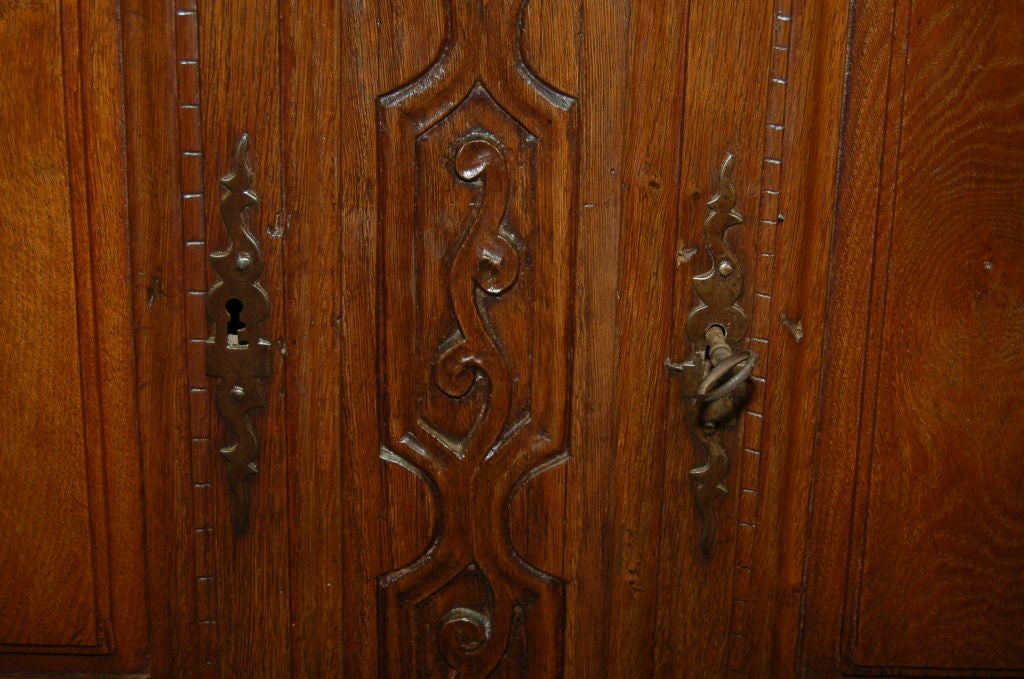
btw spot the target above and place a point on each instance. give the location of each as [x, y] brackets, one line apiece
[158, 301]
[648, 169]
[590, 537]
[947, 439]
[346, 534]
[386, 514]
[921, 581]
[661, 90]
[705, 97]
[393, 45]
[476, 343]
[390, 44]
[311, 227]
[584, 617]
[72, 570]
[47, 414]
[363, 509]
[810, 154]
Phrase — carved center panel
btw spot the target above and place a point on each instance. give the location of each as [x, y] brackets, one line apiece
[477, 223]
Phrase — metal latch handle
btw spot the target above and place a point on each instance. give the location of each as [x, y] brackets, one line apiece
[714, 381]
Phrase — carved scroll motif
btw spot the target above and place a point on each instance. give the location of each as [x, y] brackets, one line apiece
[477, 224]
[237, 305]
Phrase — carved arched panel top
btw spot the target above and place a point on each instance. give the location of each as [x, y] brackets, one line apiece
[483, 44]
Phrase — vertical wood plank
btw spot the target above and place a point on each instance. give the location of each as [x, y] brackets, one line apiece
[159, 319]
[725, 104]
[362, 33]
[649, 172]
[590, 535]
[909, 565]
[72, 516]
[810, 153]
[872, 26]
[239, 90]
[310, 226]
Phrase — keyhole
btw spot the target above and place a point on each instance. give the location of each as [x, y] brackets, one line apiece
[235, 325]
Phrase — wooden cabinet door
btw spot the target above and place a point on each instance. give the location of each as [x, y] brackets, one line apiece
[917, 519]
[479, 225]
[460, 238]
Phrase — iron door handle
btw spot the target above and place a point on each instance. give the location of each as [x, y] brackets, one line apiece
[715, 380]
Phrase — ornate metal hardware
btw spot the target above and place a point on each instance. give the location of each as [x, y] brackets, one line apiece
[715, 381]
[236, 354]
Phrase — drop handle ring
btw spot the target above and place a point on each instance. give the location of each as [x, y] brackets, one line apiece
[735, 369]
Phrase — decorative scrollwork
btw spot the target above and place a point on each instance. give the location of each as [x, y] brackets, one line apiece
[476, 224]
[462, 633]
[487, 261]
[236, 354]
[721, 286]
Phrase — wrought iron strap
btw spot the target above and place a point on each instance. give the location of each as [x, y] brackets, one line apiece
[715, 380]
[721, 286]
[236, 354]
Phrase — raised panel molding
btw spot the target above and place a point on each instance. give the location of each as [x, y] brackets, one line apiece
[952, 589]
[477, 227]
[54, 378]
[72, 579]
[914, 554]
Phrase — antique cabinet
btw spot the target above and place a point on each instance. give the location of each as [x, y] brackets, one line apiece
[361, 339]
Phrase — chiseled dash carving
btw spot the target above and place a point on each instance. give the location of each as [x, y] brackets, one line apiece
[477, 225]
[236, 354]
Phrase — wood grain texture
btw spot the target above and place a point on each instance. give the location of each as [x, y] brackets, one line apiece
[368, 34]
[387, 514]
[572, 216]
[72, 582]
[919, 582]
[647, 169]
[770, 235]
[197, 277]
[311, 227]
[155, 136]
[590, 536]
[802, 211]
[51, 416]
[679, 599]
[725, 112]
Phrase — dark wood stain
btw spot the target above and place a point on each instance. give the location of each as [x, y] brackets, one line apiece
[474, 219]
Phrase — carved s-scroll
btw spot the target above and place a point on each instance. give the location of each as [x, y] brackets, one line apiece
[486, 262]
